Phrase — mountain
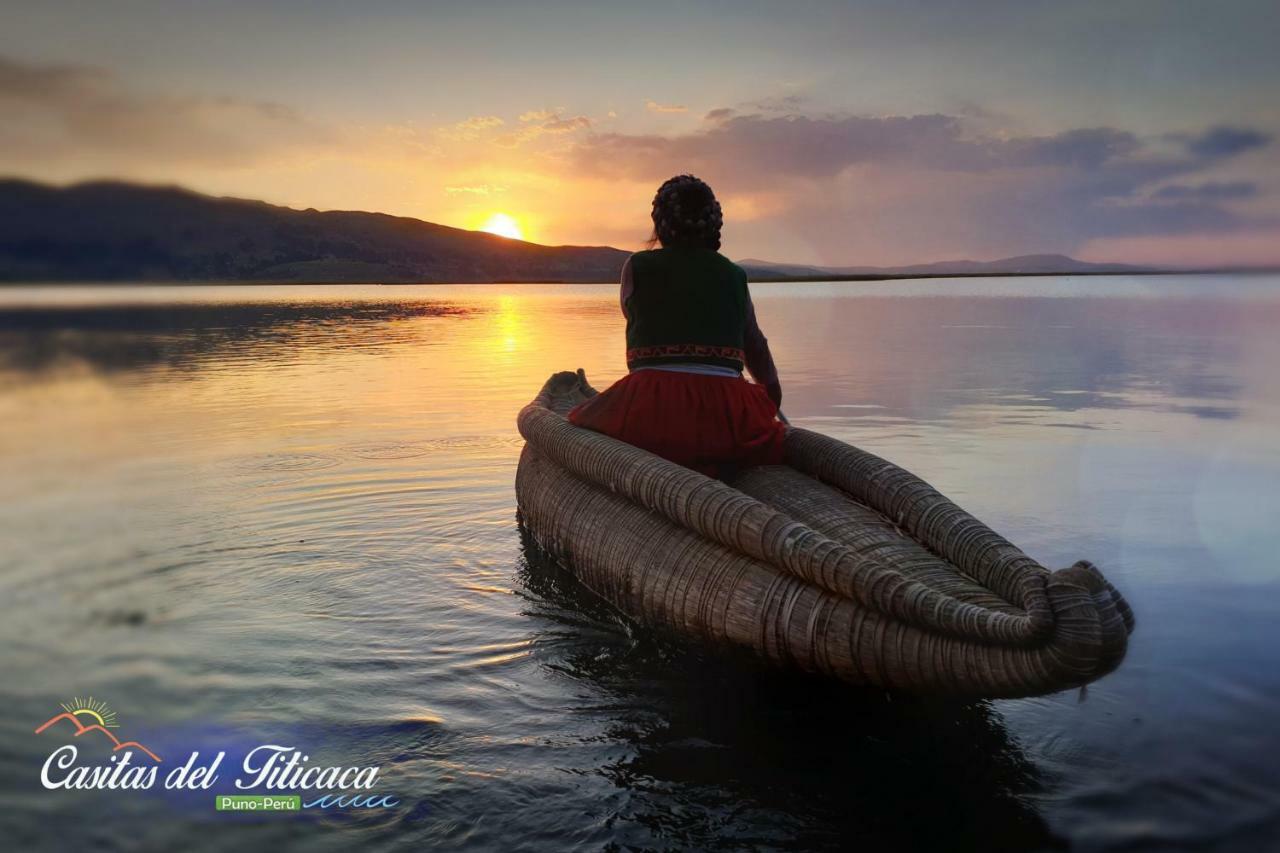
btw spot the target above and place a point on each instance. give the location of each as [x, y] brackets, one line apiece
[110, 231]
[81, 729]
[113, 231]
[1021, 265]
[757, 269]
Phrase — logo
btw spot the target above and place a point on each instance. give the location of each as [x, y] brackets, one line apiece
[282, 778]
[101, 718]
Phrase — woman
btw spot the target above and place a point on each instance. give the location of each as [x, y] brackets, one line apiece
[691, 328]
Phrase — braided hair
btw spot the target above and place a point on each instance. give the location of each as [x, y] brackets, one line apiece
[686, 214]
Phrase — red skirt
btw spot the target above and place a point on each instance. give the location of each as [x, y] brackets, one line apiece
[711, 424]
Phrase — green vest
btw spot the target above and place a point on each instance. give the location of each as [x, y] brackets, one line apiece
[686, 305]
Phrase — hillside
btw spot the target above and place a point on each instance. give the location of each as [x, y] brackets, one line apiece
[113, 231]
[108, 231]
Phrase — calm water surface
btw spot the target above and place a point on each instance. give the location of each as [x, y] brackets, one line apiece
[285, 514]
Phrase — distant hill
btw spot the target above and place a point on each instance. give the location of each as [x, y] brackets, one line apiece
[1021, 265]
[109, 231]
[113, 231]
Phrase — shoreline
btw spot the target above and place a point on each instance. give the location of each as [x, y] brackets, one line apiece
[861, 277]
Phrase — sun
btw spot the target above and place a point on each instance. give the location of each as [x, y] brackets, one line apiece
[503, 225]
[93, 708]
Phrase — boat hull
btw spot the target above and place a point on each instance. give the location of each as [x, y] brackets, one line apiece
[809, 572]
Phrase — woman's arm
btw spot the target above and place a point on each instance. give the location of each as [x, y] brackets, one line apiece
[628, 285]
[759, 359]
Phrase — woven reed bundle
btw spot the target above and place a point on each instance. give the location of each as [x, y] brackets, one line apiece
[838, 562]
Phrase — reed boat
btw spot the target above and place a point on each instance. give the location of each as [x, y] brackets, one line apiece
[837, 562]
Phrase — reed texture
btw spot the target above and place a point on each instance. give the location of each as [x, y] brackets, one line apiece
[838, 562]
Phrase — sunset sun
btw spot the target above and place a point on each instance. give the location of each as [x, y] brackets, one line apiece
[503, 225]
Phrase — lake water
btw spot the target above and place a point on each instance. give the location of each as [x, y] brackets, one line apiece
[285, 515]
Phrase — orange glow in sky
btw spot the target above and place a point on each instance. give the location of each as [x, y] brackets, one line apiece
[978, 136]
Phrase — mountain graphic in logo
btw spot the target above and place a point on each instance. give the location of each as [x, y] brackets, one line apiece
[99, 717]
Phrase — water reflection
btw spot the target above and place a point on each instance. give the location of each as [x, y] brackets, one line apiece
[189, 337]
[920, 359]
[869, 357]
[725, 754]
[247, 506]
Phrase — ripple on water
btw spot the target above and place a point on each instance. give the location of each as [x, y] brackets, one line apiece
[411, 449]
[282, 463]
[293, 530]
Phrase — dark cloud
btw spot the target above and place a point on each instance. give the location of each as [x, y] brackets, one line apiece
[780, 104]
[754, 149]
[1211, 191]
[29, 82]
[1225, 141]
[859, 182]
[84, 113]
[1137, 219]
[719, 114]
[790, 145]
[1087, 148]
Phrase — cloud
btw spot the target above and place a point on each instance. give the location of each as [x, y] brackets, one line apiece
[21, 81]
[535, 123]
[779, 103]
[555, 124]
[64, 111]
[757, 148]
[470, 128]
[1085, 147]
[480, 123]
[859, 186]
[844, 189]
[1211, 191]
[763, 147]
[655, 107]
[1223, 141]
[477, 189]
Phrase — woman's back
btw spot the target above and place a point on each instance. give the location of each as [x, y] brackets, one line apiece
[691, 329]
[685, 305]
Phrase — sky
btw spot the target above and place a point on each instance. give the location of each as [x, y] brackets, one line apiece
[853, 133]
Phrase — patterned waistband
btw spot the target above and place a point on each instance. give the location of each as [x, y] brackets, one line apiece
[686, 351]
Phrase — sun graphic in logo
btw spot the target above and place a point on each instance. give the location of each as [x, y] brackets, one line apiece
[93, 715]
[95, 709]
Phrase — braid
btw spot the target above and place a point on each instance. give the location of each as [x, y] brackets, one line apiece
[686, 213]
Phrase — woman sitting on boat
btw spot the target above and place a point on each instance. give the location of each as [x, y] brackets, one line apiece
[691, 328]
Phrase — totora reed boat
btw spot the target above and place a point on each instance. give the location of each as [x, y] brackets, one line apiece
[838, 563]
